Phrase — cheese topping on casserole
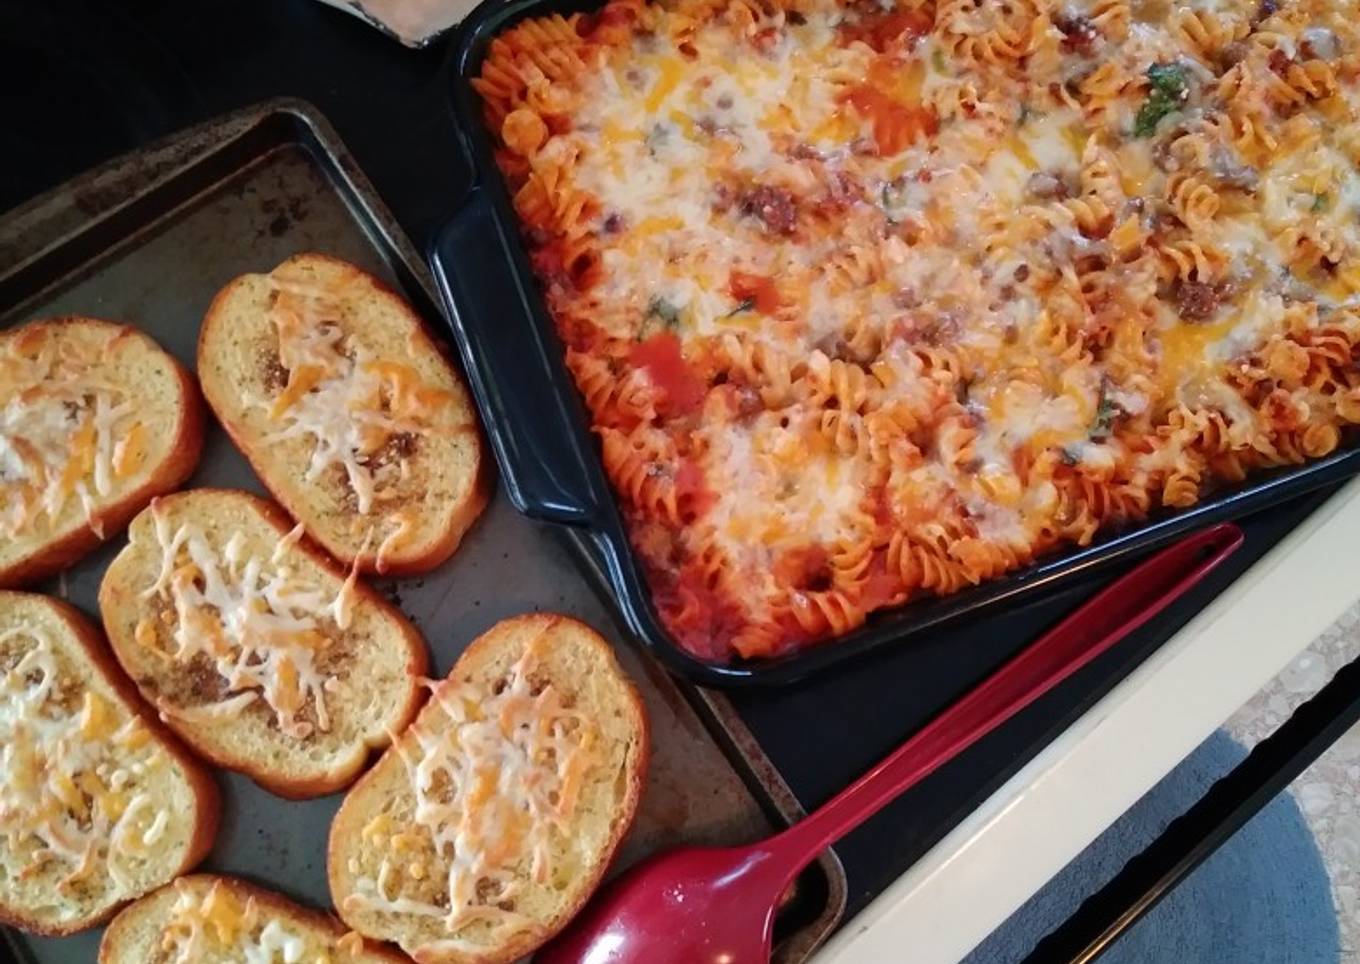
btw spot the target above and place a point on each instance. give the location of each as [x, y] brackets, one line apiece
[74, 773]
[66, 434]
[872, 300]
[261, 626]
[496, 780]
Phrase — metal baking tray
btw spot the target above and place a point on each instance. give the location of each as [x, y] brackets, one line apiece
[539, 429]
[148, 239]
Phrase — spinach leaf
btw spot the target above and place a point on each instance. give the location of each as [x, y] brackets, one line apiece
[662, 315]
[657, 138]
[661, 309]
[746, 304]
[1169, 90]
[1168, 78]
[892, 198]
[1106, 412]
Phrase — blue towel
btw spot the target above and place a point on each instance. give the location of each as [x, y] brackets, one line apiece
[1263, 898]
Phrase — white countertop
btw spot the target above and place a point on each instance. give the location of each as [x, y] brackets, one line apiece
[1000, 855]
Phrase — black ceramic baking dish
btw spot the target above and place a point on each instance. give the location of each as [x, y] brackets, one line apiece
[540, 431]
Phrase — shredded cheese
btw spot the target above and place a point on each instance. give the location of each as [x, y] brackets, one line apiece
[74, 773]
[496, 779]
[66, 433]
[405, 526]
[217, 926]
[261, 624]
[347, 402]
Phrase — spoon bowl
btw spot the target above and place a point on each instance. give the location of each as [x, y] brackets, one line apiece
[678, 907]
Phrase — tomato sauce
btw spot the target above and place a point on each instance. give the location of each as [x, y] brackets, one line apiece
[665, 364]
[761, 291]
[692, 491]
[879, 29]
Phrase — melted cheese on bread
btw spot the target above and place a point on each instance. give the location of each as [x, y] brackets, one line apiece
[496, 779]
[73, 771]
[260, 624]
[218, 926]
[357, 409]
[64, 432]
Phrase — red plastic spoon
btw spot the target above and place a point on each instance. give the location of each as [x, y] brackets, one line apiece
[717, 906]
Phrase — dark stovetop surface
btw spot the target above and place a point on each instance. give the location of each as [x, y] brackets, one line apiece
[82, 81]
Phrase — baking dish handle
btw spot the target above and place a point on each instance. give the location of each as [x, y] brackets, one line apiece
[516, 378]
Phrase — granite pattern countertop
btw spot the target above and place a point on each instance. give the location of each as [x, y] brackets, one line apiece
[1328, 792]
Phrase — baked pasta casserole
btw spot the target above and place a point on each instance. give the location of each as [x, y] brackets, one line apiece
[875, 300]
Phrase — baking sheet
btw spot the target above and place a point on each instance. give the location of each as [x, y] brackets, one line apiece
[241, 195]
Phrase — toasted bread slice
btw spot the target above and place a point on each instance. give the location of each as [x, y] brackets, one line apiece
[211, 919]
[532, 755]
[95, 420]
[254, 646]
[348, 410]
[98, 803]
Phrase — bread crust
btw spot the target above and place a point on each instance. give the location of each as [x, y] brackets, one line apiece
[50, 558]
[417, 661]
[399, 562]
[277, 904]
[207, 798]
[349, 819]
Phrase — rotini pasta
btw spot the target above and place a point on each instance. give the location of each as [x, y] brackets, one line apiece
[874, 300]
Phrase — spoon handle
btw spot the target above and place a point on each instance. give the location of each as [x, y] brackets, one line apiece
[1104, 620]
